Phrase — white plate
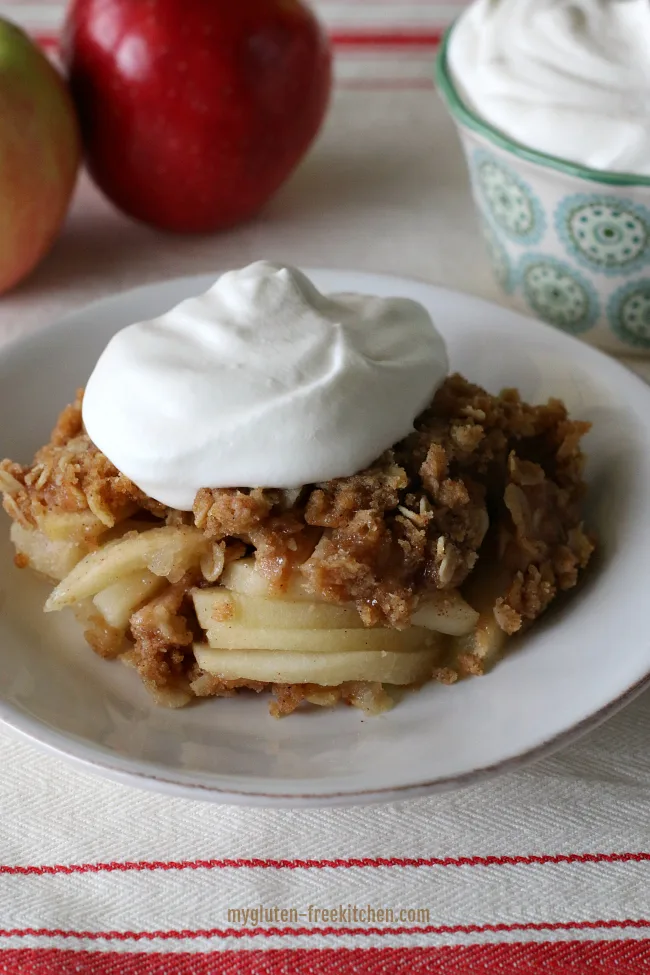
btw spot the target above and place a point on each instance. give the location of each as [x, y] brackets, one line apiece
[572, 670]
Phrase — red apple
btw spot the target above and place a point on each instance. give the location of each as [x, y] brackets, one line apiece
[194, 112]
[39, 154]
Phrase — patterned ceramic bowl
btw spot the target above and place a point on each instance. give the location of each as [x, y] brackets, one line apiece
[567, 243]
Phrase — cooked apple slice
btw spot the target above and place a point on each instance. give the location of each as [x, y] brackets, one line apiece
[233, 636]
[168, 551]
[243, 576]
[446, 612]
[77, 526]
[477, 651]
[220, 605]
[315, 668]
[118, 603]
[54, 559]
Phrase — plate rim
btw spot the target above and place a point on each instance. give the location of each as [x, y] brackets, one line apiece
[216, 795]
[90, 758]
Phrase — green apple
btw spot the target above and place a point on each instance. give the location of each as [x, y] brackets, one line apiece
[39, 154]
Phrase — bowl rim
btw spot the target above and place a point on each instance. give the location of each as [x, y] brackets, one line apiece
[461, 113]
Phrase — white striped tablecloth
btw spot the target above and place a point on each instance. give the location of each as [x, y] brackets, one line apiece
[546, 870]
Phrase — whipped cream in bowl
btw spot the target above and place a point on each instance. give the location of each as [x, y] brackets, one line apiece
[551, 100]
[261, 382]
[570, 78]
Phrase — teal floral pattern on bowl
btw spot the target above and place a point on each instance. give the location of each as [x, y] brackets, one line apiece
[604, 233]
[628, 312]
[508, 200]
[499, 259]
[558, 293]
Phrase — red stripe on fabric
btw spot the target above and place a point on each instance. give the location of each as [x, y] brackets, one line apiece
[561, 958]
[345, 863]
[221, 933]
[393, 38]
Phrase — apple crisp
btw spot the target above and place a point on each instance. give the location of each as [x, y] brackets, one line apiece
[420, 566]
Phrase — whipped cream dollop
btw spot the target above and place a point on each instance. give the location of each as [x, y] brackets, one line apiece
[261, 382]
[567, 77]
